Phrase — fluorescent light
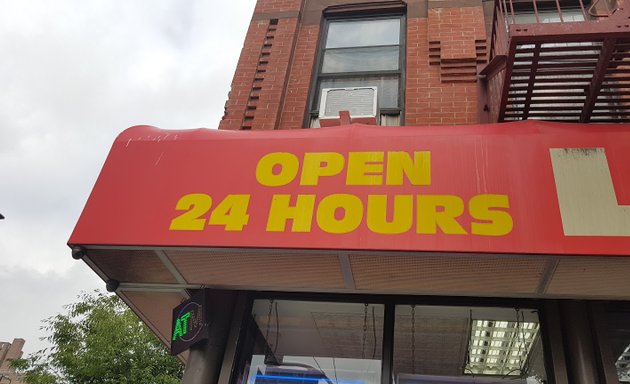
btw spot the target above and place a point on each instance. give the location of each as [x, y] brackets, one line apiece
[509, 346]
[623, 365]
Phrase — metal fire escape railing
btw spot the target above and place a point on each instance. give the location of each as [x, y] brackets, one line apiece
[551, 60]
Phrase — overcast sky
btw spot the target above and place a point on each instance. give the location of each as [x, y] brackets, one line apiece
[74, 74]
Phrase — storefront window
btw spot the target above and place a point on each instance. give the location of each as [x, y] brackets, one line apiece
[438, 344]
[619, 327]
[313, 342]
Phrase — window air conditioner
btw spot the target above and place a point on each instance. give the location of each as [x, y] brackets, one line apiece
[361, 102]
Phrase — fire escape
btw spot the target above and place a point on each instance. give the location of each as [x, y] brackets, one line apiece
[550, 60]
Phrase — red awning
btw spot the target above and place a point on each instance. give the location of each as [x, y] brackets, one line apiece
[504, 188]
[512, 210]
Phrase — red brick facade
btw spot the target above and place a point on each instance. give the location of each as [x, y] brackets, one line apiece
[297, 92]
[443, 51]
[273, 79]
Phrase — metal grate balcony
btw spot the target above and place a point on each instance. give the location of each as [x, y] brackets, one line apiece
[550, 61]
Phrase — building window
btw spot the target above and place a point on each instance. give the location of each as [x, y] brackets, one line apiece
[289, 341]
[365, 52]
[567, 14]
[306, 342]
[618, 329]
[440, 344]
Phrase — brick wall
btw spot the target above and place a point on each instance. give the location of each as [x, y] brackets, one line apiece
[242, 83]
[273, 6]
[443, 51]
[262, 72]
[272, 82]
[457, 42]
[296, 99]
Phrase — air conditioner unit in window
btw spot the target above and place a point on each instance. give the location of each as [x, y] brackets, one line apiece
[361, 102]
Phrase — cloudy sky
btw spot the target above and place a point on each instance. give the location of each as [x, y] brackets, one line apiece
[73, 74]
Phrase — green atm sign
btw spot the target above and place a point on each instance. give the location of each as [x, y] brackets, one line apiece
[189, 324]
[182, 327]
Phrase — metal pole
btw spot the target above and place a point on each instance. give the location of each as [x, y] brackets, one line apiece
[536, 11]
[581, 364]
[240, 320]
[205, 360]
[552, 338]
[387, 372]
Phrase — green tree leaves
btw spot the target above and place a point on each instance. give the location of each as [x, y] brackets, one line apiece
[98, 340]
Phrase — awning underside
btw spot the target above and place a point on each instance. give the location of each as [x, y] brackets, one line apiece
[154, 280]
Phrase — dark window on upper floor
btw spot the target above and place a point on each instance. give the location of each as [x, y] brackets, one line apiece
[547, 11]
[362, 52]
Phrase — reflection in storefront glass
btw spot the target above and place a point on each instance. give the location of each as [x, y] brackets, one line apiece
[500, 347]
[619, 328]
[436, 344]
[623, 365]
[314, 342]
